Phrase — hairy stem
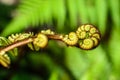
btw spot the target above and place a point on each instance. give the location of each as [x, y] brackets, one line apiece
[26, 41]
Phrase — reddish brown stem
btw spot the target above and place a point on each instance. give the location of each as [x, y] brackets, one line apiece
[16, 44]
[55, 37]
[26, 41]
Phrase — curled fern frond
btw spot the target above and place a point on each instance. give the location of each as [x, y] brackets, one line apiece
[89, 36]
[41, 40]
[71, 39]
[86, 37]
[17, 37]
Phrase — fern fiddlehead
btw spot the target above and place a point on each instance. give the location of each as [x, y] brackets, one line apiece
[41, 40]
[70, 39]
[89, 36]
[85, 37]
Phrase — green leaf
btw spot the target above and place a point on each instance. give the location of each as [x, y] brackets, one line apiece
[75, 61]
[99, 67]
[82, 10]
[102, 9]
[114, 51]
[72, 10]
[115, 12]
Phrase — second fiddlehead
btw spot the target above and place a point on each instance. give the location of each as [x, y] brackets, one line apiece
[70, 39]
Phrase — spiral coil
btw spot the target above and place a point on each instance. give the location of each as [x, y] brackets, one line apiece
[87, 37]
[70, 39]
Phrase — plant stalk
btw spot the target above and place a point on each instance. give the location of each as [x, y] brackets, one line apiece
[26, 41]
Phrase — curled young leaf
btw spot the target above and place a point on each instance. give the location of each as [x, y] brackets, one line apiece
[18, 37]
[70, 39]
[41, 40]
[89, 36]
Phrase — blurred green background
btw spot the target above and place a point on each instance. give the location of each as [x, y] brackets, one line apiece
[56, 61]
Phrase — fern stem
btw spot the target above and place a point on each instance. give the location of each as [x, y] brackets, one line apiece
[55, 37]
[26, 41]
[17, 44]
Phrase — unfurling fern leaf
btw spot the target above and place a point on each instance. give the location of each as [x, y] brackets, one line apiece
[39, 42]
[89, 36]
[71, 39]
[18, 37]
[86, 37]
